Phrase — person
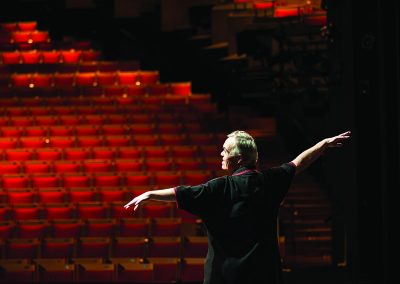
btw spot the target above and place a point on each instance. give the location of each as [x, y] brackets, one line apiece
[240, 210]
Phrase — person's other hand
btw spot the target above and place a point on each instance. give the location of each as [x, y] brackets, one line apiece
[137, 201]
[337, 141]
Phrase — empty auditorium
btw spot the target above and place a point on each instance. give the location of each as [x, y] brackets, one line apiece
[199, 141]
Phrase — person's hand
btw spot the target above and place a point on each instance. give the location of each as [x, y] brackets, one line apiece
[137, 200]
[337, 141]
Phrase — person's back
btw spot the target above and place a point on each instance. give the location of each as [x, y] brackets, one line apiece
[240, 213]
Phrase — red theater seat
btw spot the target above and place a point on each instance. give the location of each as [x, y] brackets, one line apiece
[137, 179]
[93, 210]
[166, 227]
[51, 195]
[21, 80]
[104, 153]
[21, 36]
[64, 228]
[20, 196]
[6, 229]
[135, 272]
[30, 57]
[32, 142]
[188, 164]
[12, 131]
[90, 166]
[106, 78]
[17, 272]
[127, 77]
[111, 194]
[27, 26]
[85, 79]
[128, 165]
[167, 179]
[58, 248]
[134, 227]
[21, 248]
[32, 228]
[61, 130]
[106, 180]
[166, 269]
[196, 177]
[148, 77]
[36, 131]
[90, 141]
[49, 154]
[8, 143]
[76, 153]
[112, 129]
[53, 272]
[86, 130]
[129, 152]
[71, 56]
[93, 247]
[81, 195]
[64, 79]
[25, 211]
[40, 37]
[95, 272]
[10, 167]
[129, 247]
[99, 228]
[91, 55]
[75, 180]
[58, 211]
[45, 180]
[11, 57]
[157, 210]
[36, 167]
[158, 164]
[51, 57]
[15, 181]
[181, 88]
[66, 166]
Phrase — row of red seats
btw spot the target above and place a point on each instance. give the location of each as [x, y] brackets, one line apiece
[49, 56]
[92, 79]
[277, 9]
[105, 166]
[64, 195]
[89, 210]
[19, 26]
[205, 150]
[114, 269]
[100, 114]
[81, 66]
[141, 109]
[22, 148]
[105, 247]
[27, 37]
[97, 125]
[113, 125]
[104, 179]
[75, 228]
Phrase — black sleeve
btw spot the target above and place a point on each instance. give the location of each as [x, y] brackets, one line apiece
[280, 179]
[200, 199]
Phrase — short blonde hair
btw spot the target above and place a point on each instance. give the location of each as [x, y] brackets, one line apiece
[244, 146]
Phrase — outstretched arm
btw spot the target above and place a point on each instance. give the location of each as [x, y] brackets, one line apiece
[306, 158]
[167, 195]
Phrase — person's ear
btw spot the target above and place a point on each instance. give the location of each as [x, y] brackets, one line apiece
[239, 159]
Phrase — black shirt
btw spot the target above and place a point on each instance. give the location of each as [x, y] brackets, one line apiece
[240, 213]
